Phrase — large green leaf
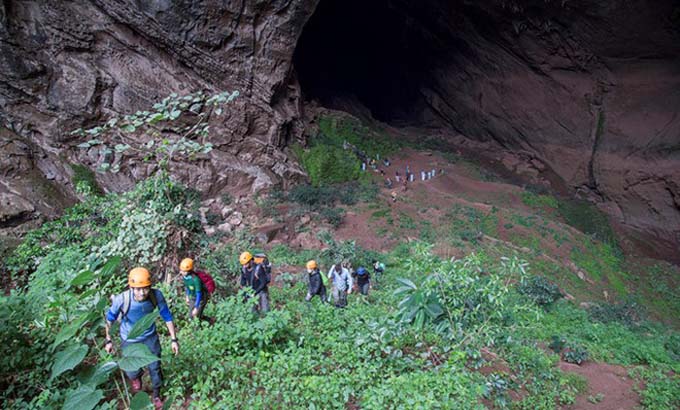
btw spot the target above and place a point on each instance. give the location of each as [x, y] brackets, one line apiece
[83, 398]
[101, 374]
[141, 401]
[136, 356]
[83, 278]
[109, 267]
[142, 324]
[68, 358]
[70, 330]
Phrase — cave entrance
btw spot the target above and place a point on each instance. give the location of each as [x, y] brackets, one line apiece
[366, 52]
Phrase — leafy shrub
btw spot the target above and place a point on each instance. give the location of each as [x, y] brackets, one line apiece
[333, 216]
[311, 196]
[628, 313]
[460, 299]
[329, 164]
[83, 175]
[540, 290]
[576, 354]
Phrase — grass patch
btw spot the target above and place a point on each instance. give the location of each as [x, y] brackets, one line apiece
[587, 218]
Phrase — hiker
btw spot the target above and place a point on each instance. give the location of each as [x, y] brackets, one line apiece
[254, 275]
[342, 284]
[397, 177]
[316, 285]
[378, 267]
[196, 289]
[363, 280]
[394, 196]
[388, 183]
[131, 306]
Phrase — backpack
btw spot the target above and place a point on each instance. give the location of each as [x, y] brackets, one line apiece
[208, 281]
[262, 260]
[127, 299]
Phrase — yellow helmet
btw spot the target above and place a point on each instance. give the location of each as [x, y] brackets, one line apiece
[139, 278]
[245, 258]
[312, 265]
[186, 265]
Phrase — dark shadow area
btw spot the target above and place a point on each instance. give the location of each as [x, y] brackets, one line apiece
[366, 51]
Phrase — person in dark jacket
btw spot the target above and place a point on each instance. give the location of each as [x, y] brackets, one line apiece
[254, 276]
[363, 280]
[316, 285]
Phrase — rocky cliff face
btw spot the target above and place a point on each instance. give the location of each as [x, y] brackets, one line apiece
[585, 90]
[65, 65]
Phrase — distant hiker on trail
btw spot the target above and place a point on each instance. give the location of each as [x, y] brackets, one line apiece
[315, 285]
[197, 289]
[131, 306]
[378, 267]
[255, 276]
[394, 196]
[397, 177]
[363, 280]
[388, 183]
[341, 284]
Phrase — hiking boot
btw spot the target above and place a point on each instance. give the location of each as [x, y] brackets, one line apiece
[136, 384]
[157, 403]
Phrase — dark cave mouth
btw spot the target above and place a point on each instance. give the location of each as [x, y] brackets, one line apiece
[368, 53]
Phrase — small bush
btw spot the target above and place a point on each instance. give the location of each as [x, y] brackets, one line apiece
[576, 354]
[311, 196]
[628, 313]
[540, 290]
[332, 215]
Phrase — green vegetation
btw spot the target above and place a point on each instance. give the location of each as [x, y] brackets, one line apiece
[336, 130]
[328, 164]
[84, 178]
[585, 217]
[329, 161]
[436, 333]
[539, 201]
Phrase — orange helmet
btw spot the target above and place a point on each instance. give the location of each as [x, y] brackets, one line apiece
[245, 258]
[139, 278]
[312, 264]
[186, 265]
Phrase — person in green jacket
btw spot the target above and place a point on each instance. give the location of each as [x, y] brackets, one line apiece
[196, 295]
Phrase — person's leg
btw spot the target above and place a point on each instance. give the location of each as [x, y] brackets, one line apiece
[201, 307]
[322, 294]
[343, 298]
[136, 375]
[364, 288]
[264, 301]
[336, 296]
[154, 345]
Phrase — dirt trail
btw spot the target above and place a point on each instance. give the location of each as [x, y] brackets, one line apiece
[609, 387]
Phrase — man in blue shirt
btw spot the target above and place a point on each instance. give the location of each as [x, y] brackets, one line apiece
[131, 306]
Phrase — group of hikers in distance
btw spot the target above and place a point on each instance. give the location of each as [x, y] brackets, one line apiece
[141, 299]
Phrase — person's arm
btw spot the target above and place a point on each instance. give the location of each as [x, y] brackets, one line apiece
[315, 283]
[244, 280]
[174, 344]
[166, 315]
[111, 315]
[259, 275]
[198, 285]
[350, 283]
